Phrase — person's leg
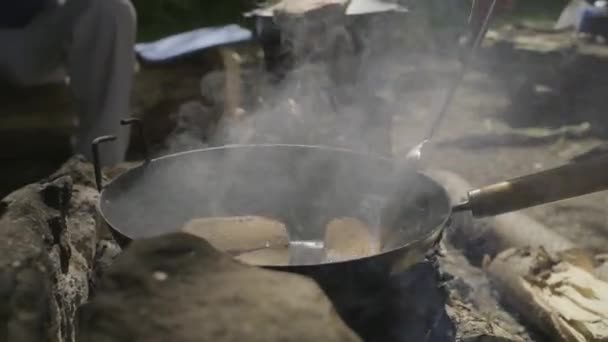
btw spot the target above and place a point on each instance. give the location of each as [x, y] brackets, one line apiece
[101, 65]
[98, 37]
[33, 54]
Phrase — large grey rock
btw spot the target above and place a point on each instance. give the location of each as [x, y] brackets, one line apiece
[47, 245]
[178, 288]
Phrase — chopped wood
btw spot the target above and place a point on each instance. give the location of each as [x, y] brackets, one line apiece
[559, 298]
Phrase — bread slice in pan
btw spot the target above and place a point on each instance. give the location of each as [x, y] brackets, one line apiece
[239, 234]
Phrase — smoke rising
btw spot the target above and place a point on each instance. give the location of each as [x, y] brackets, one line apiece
[346, 79]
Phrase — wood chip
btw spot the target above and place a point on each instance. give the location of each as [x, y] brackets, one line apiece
[562, 299]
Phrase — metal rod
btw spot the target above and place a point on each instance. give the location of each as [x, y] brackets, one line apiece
[306, 252]
[464, 206]
[466, 64]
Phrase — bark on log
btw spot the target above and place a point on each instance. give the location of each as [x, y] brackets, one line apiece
[47, 247]
[559, 298]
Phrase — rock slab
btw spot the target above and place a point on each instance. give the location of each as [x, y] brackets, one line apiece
[178, 288]
[47, 247]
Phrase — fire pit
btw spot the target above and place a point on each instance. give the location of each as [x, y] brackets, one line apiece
[407, 306]
[307, 186]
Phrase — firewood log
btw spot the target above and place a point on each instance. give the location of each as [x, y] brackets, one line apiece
[559, 298]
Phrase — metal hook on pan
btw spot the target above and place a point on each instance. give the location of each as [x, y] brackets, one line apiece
[96, 159]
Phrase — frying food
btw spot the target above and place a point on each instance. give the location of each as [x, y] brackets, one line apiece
[267, 256]
[349, 238]
[258, 240]
[240, 234]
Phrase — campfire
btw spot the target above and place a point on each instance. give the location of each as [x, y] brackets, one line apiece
[270, 241]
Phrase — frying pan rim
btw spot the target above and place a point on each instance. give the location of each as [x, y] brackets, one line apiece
[435, 230]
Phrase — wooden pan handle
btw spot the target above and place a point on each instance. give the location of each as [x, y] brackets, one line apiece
[564, 182]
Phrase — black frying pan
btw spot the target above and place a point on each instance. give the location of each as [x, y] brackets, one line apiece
[307, 186]
[302, 186]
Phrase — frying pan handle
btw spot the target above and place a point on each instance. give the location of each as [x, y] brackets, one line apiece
[570, 180]
[140, 128]
[96, 160]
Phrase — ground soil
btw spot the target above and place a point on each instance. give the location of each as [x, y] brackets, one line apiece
[485, 105]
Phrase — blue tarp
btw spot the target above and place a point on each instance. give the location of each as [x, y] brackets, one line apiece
[188, 42]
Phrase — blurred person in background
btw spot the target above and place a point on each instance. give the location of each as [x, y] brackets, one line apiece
[593, 23]
[89, 41]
